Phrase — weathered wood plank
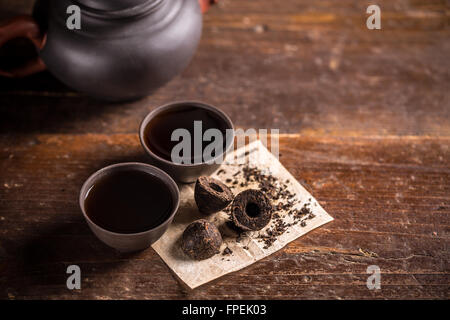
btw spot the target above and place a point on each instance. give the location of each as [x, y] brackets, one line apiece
[389, 196]
[300, 67]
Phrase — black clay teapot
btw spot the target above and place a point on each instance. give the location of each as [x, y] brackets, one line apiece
[121, 49]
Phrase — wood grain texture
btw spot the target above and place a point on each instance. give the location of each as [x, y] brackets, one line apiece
[300, 66]
[389, 196]
[372, 109]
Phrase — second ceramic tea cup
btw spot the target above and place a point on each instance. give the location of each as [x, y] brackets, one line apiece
[182, 172]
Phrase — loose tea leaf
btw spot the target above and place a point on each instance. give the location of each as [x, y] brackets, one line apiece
[279, 227]
[251, 210]
[227, 251]
[211, 195]
[201, 240]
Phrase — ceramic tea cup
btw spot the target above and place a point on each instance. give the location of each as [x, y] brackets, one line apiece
[184, 113]
[130, 241]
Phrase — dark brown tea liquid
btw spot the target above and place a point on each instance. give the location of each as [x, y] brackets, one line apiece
[158, 131]
[128, 201]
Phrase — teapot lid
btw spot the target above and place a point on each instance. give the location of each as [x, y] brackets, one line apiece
[112, 5]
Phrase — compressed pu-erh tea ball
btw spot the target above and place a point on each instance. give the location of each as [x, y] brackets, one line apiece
[211, 195]
[201, 240]
[251, 210]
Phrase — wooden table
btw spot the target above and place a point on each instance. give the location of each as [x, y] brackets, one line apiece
[365, 122]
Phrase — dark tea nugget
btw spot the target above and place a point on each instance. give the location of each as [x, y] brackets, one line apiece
[251, 210]
[201, 240]
[211, 195]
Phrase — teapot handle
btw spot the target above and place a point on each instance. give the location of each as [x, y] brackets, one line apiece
[23, 27]
[206, 4]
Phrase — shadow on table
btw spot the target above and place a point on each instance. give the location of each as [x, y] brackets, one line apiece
[33, 262]
[38, 266]
[40, 103]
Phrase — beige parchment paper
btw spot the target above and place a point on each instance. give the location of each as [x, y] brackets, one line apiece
[247, 248]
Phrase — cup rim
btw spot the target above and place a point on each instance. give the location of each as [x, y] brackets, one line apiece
[194, 103]
[89, 181]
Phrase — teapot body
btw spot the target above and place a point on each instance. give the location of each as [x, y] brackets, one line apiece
[124, 52]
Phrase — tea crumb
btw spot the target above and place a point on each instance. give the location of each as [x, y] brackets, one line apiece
[227, 251]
